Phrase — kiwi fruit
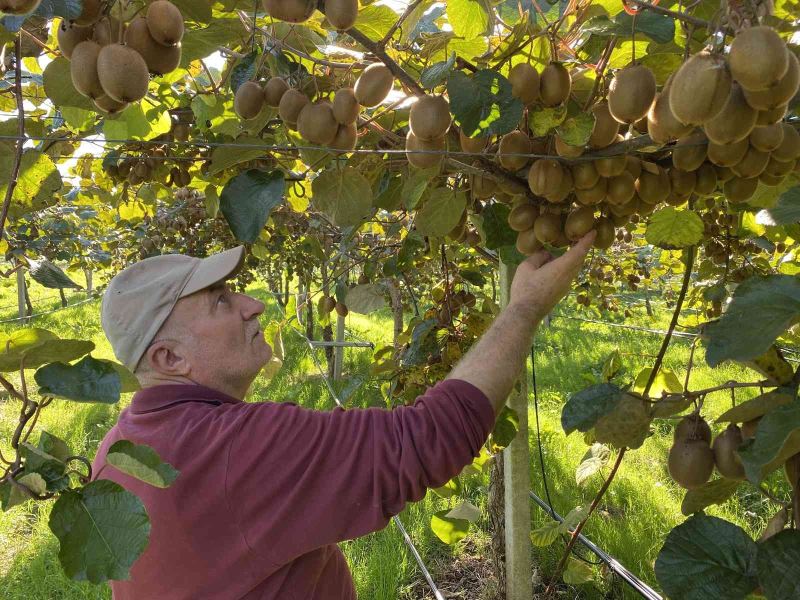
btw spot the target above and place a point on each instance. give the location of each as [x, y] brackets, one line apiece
[791, 469]
[316, 123]
[739, 189]
[527, 242]
[522, 217]
[734, 122]
[345, 106]
[429, 117]
[19, 7]
[767, 137]
[545, 176]
[472, 145]
[690, 463]
[752, 164]
[345, 138]
[631, 93]
[291, 11]
[768, 117]
[524, 81]
[610, 166]
[771, 180]
[633, 165]
[705, 180]
[700, 88]
[180, 132]
[606, 127]
[579, 222]
[593, 195]
[621, 188]
[248, 100]
[690, 151]
[789, 148]
[341, 13]
[662, 126]
[750, 427]
[547, 228]
[292, 102]
[122, 73]
[328, 303]
[165, 22]
[605, 233]
[90, 12]
[341, 309]
[566, 150]
[727, 461]
[70, 35]
[584, 175]
[483, 187]
[682, 182]
[724, 173]
[758, 58]
[511, 145]
[424, 161]
[106, 30]
[555, 84]
[373, 85]
[83, 68]
[727, 155]
[564, 190]
[274, 90]
[653, 184]
[159, 59]
[624, 209]
[109, 105]
[778, 168]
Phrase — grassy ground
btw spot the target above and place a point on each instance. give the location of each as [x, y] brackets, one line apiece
[640, 508]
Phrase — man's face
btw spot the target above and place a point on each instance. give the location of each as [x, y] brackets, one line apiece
[225, 342]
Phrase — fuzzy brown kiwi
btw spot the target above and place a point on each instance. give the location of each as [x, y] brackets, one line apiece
[631, 93]
[789, 148]
[579, 222]
[165, 22]
[424, 161]
[341, 13]
[706, 181]
[90, 12]
[771, 180]
[472, 145]
[19, 7]
[511, 145]
[341, 309]
[291, 11]
[593, 195]
[752, 164]
[564, 189]
[605, 233]
[159, 59]
[758, 58]
[106, 30]
[584, 175]
[527, 242]
[555, 84]
[483, 187]
[429, 117]
[653, 185]
[524, 81]
[545, 177]
[70, 35]
[566, 150]
[83, 69]
[749, 428]
[345, 138]
[109, 105]
[727, 155]
[662, 126]
[768, 117]
[791, 469]
[547, 228]
[621, 188]
[735, 121]
[683, 182]
[700, 88]
[522, 217]
[767, 138]
[605, 128]
[690, 463]
[778, 168]
[633, 165]
[274, 90]
[316, 123]
[248, 100]
[724, 173]
[739, 189]
[373, 85]
[692, 427]
[180, 132]
[345, 106]
[292, 102]
[122, 73]
[690, 151]
[610, 166]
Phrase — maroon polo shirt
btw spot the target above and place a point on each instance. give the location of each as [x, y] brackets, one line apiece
[266, 489]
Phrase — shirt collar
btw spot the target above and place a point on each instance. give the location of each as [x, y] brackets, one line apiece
[154, 398]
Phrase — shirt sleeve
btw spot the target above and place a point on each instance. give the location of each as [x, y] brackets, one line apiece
[300, 479]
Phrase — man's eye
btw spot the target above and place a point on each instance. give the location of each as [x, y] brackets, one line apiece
[222, 298]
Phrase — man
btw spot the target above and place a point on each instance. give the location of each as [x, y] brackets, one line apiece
[266, 490]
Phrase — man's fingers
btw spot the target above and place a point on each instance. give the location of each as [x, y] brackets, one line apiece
[575, 255]
[539, 258]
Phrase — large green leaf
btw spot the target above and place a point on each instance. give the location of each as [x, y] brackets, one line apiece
[671, 228]
[57, 350]
[761, 310]
[756, 407]
[441, 211]
[37, 184]
[469, 18]
[777, 438]
[58, 86]
[375, 20]
[248, 199]
[50, 275]
[482, 103]
[448, 529]
[542, 120]
[706, 557]
[54, 446]
[198, 11]
[15, 344]
[366, 298]
[712, 492]
[136, 123]
[786, 211]
[142, 462]
[495, 226]
[48, 466]
[199, 43]
[659, 28]
[577, 130]
[102, 529]
[89, 380]
[343, 195]
[584, 408]
[779, 565]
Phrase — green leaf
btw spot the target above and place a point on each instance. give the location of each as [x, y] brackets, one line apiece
[671, 228]
[469, 18]
[670, 405]
[659, 28]
[131, 123]
[465, 510]
[713, 492]
[760, 311]
[777, 438]
[415, 182]
[449, 530]
[506, 427]
[449, 489]
[577, 572]
[441, 211]
[57, 80]
[11, 495]
[482, 104]
[248, 199]
[89, 380]
[244, 70]
[778, 564]
[17, 343]
[142, 462]
[102, 529]
[437, 72]
[786, 211]
[375, 20]
[50, 275]
[595, 459]
[756, 407]
[577, 130]
[224, 157]
[495, 226]
[665, 381]
[706, 557]
[199, 43]
[343, 195]
[57, 350]
[366, 298]
[584, 408]
[54, 446]
[49, 467]
[543, 120]
[37, 184]
[192, 10]
[546, 534]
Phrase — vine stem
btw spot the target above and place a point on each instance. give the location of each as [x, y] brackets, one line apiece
[12, 182]
[409, 9]
[671, 13]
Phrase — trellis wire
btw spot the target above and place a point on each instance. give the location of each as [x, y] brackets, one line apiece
[48, 312]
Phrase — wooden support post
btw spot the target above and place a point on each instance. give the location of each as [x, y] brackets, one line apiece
[88, 274]
[516, 470]
[339, 350]
[20, 290]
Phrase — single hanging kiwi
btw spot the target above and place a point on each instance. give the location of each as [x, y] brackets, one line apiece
[605, 233]
[767, 138]
[706, 180]
[790, 145]
[584, 175]
[472, 145]
[555, 84]
[345, 106]
[752, 164]
[725, 457]
[373, 85]
[662, 126]
[291, 11]
[429, 117]
[109, 105]
[683, 182]
[739, 189]
[564, 189]
[727, 155]
[249, 100]
[611, 166]
[769, 117]
[159, 59]
[122, 73]
[345, 138]
[70, 35]
[579, 222]
[690, 463]
[544, 177]
[524, 81]
[621, 188]
[274, 90]
[594, 194]
[90, 12]
[511, 145]
[165, 22]
[416, 148]
[106, 30]
[781, 92]
[292, 102]
[316, 123]
[522, 217]
[83, 68]
[735, 121]
[631, 93]
[690, 151]
[547, 228]
[758, 58]
[653, 184]
[341, 13]
[605, 128]
[567, 150]
[527, 242]
[700, 88]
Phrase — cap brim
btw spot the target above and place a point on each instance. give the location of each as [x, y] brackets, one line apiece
[214, 269]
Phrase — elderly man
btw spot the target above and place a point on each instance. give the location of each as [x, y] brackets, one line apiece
[266, 490]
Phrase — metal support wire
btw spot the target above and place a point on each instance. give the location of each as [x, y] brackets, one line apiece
[47, 312]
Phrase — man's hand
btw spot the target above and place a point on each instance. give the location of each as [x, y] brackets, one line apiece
[495, 361]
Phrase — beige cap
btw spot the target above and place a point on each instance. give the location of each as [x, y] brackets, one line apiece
[140, 297]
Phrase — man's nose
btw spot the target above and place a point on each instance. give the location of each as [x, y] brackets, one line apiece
[251, 307]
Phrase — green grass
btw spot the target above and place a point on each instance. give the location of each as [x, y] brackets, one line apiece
[639, 509]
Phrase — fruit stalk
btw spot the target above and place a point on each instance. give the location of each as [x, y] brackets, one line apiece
[12, 182]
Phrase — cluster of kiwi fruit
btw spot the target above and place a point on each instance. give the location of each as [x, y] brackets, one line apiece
[450, 307]
[341, 14]
[110, 62]
[150, 164]
[327, 304]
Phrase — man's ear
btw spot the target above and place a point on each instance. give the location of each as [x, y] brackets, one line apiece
[166, 358]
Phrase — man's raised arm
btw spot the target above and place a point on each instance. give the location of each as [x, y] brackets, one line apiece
[496, 360]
